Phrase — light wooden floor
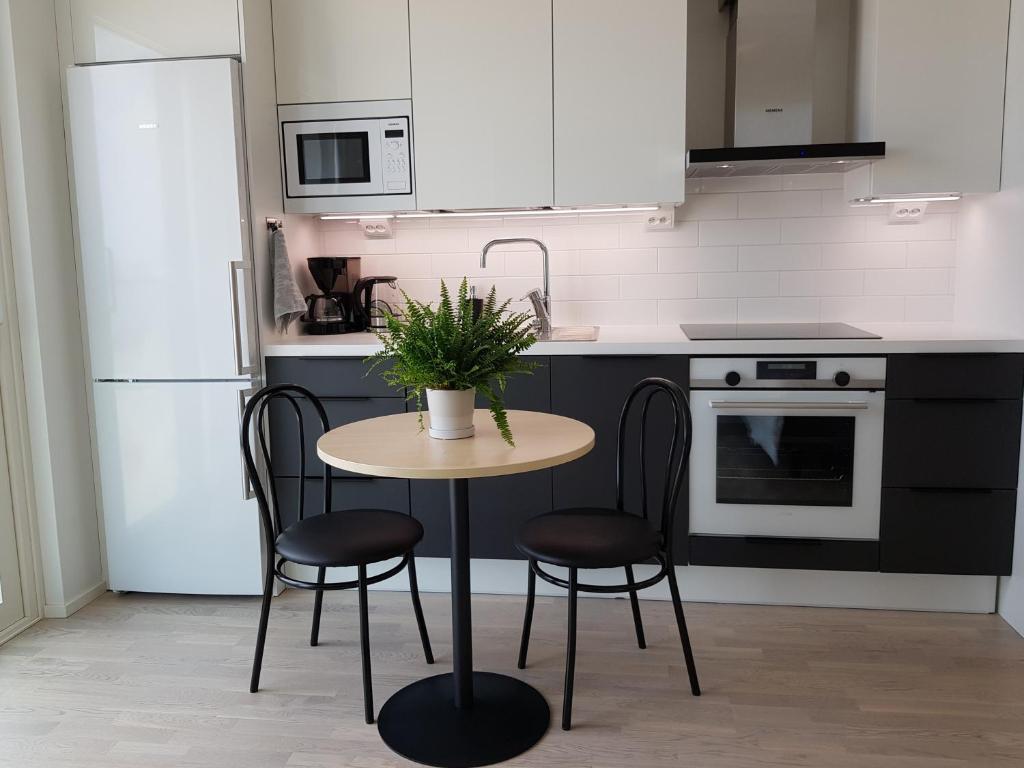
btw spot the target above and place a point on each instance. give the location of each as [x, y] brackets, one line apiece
[145, 681]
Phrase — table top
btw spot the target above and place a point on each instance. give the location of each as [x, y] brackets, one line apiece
[394, 446]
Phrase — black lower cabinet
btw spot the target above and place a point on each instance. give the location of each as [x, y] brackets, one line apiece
[593, 389]
[348, 395]
[937, 530]
[346, 493]
[498, 505]
[782, 552]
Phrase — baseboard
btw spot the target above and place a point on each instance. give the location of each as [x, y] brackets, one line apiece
[58, 611]
[753, 586]
[18, 627]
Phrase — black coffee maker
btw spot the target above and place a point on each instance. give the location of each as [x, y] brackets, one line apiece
[333, 309]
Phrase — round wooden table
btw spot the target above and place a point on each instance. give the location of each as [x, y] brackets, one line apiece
[464, 718]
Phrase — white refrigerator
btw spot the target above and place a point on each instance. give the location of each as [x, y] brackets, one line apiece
[162, 209]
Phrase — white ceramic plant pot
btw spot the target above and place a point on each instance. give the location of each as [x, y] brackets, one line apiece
[450, 413]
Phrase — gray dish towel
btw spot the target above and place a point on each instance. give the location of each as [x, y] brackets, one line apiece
[288, 301]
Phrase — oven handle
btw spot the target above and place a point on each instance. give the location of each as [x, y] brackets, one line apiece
[744, 405]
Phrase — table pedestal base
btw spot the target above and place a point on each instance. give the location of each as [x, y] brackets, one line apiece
[421, 722]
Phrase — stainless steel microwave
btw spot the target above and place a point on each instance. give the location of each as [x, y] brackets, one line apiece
[347, 157]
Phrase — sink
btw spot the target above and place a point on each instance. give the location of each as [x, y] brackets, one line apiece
[570, 333]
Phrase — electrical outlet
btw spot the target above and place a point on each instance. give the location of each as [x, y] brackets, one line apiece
[663, 218]
[907, 213]
[377, 229]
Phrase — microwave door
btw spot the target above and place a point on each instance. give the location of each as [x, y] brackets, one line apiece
[336, 158]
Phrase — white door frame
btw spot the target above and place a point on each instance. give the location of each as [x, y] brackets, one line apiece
[15, 432]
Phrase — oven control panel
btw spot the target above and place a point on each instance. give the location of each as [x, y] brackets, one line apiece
[787, 373]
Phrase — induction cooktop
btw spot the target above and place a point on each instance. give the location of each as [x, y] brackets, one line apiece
[716, 331]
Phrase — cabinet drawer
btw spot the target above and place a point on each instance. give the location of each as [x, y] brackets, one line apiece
[951, 443]
[284, 436]
[779, 552]
[955, 376]
[942, 531]
[346, 493]
[330, 376]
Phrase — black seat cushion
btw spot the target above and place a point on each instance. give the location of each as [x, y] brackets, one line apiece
[349, 537]
[588, 537]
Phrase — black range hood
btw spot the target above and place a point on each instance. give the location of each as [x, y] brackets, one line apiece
[787, 158]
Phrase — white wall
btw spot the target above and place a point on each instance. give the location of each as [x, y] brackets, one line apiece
[32, 130]
[760, 249]
[990, 267]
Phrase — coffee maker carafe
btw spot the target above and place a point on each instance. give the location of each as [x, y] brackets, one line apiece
[331, 310]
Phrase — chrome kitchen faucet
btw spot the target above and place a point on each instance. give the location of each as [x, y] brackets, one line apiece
[541, 300]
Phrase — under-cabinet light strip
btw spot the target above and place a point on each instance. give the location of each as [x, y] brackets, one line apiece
[485, 214]
[910, 199]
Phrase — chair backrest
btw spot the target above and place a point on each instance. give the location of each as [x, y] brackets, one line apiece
[678, 450]
[290, 397]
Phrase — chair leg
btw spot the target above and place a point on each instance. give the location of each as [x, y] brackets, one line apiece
[570, 654]
[635, 603]
[414, 590]
[364, 646]
[677, 604]
[531, 591]
[318, 602]
[261, 633]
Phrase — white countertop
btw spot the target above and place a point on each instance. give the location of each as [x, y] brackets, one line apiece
[670, 340]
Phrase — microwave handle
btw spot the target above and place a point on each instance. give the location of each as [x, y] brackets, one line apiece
[764, 405]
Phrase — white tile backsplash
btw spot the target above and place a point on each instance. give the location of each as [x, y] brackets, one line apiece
[759, 249]
[775, 205]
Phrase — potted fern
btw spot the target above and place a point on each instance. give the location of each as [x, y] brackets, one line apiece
[449, 354]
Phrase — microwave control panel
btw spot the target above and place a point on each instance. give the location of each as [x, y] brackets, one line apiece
[395, 155]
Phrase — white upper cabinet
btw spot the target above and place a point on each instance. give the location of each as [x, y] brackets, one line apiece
[126, 30]
[481, 84]
[928, 80]
[620, 101]
[341, 50]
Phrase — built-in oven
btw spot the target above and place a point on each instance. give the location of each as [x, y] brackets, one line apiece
[347, 157]
[787, 447]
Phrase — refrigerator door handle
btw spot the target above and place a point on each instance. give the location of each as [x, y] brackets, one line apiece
[247, 491]
[241, 326]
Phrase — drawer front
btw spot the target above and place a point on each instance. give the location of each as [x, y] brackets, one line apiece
[773, 552]
[284, 436]
[951, 444]
[346, 493]
[955, 376]
[941, 531]
[330, 376]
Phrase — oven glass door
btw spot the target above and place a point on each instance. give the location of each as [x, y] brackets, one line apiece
[786, 463]
[784, 459]
[332, 158]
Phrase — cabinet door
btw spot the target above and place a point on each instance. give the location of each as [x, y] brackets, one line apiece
[498, 505]
[341, 50]
[620, 101]
[933, 92]
[593, 389]
[481, 73]
[129, 30]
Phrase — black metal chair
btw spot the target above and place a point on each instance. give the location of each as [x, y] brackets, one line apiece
[336, 538]
[594, 537]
